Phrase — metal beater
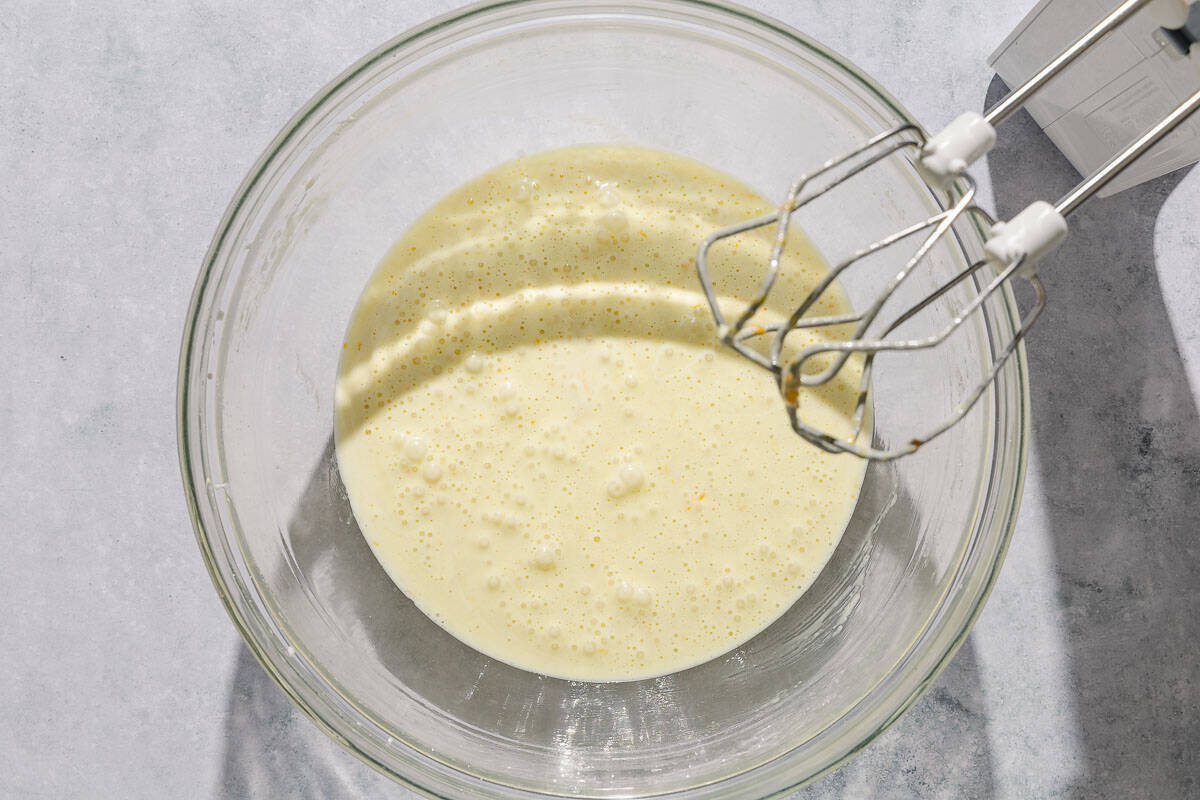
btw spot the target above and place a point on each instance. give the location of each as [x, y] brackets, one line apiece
[1012, 249]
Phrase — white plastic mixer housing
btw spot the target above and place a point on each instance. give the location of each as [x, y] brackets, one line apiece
[1036, 231]
[1106, 98]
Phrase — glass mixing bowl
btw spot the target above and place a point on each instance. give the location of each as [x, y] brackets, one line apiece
[341, 182]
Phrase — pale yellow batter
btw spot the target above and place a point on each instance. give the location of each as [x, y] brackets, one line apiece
[542, 441]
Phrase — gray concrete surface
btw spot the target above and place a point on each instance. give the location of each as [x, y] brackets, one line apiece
[125, 128]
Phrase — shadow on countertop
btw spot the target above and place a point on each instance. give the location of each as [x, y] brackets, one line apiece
[938, 749]
[1116, 431]
[273, 750]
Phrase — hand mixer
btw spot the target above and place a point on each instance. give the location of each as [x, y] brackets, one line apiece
[1012, 248]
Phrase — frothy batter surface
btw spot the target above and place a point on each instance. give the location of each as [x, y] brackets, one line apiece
[544, 445]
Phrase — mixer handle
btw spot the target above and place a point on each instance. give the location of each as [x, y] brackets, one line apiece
[1038, 229]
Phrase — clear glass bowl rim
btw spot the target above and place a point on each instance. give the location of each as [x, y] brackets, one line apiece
[904, 684]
